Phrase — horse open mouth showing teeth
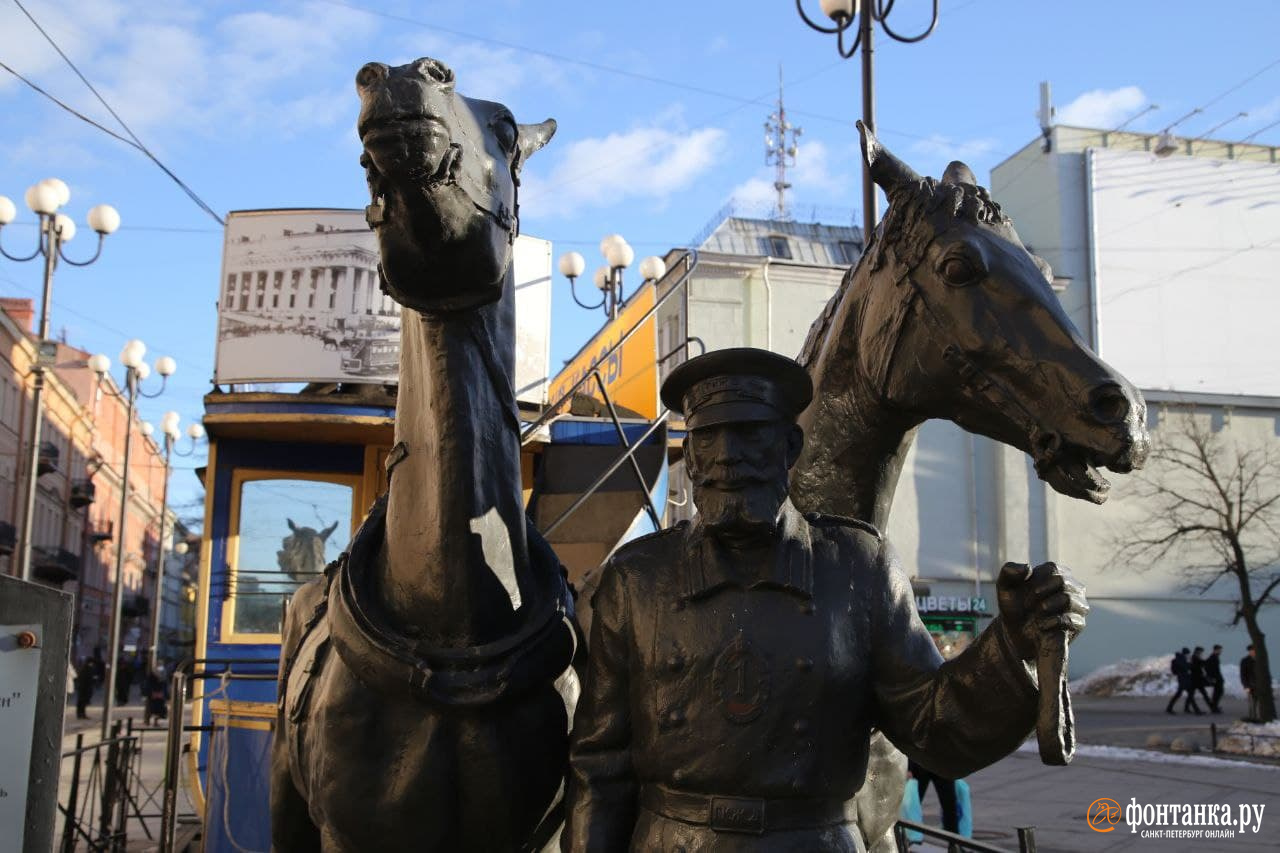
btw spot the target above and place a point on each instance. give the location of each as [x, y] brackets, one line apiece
[1074, 476]
[1069, 469]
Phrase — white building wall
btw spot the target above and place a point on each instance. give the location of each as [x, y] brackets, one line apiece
[1172, 277]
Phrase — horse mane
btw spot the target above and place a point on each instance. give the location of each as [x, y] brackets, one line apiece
[907, 230]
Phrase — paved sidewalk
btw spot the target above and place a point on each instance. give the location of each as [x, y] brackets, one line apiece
[1113, 762]
[1020, 791]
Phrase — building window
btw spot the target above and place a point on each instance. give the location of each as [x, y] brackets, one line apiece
[777, 246]
[850, 251]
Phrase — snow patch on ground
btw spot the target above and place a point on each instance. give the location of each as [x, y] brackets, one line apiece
[1145, 677]
[1251, 739]
[1124, 753]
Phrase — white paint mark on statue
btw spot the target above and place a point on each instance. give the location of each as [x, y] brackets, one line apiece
[19, 684]
[495, 542]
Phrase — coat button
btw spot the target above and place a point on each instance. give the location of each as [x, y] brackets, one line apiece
[675, 717]
[679, 775]
[804, 664]
[800, 726]
[675, 663]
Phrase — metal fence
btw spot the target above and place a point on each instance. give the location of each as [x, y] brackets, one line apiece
[96, 811]
[903, 831]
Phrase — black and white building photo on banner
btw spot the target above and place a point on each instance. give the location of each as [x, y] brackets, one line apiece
[300, 302]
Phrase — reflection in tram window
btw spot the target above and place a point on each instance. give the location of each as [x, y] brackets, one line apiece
[289, 531]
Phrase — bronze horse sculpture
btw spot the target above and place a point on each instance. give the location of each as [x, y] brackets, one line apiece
[426, 687]
[301, 554]
[947, 315]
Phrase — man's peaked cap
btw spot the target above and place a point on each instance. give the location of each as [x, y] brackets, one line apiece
[737, 385]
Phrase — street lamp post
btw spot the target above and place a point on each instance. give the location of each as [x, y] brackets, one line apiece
[168, 426]
[55, 229]
[866, 12]
[618, 255]
[136, 372]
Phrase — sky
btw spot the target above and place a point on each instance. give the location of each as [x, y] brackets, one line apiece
[660, 105]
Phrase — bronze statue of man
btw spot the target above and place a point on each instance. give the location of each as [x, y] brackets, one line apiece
[739, 662]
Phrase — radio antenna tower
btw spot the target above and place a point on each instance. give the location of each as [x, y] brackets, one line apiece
[780, 138]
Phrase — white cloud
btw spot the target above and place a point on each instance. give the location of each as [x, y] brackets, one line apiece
[181, 70]
[483, 71]
[1102, 108]
[648, 163]
[812, 178]
[754, 194]
[938, 150]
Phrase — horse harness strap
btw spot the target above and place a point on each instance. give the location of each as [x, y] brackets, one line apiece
[454, 677]
[974, 380]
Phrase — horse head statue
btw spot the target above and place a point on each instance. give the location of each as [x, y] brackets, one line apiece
[301, 553]
[948, 315]
[442, 171]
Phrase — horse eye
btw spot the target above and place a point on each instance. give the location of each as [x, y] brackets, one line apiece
[506, 134]
[959, 270]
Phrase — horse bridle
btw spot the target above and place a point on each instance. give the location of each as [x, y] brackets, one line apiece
[976, 383]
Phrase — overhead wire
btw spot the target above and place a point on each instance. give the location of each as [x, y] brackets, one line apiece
[108, 131]
[760, 100]
[138, 143]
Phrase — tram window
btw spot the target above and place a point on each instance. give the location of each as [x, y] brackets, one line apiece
[289, 530]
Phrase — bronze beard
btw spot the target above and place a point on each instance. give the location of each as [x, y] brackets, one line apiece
[740, 502]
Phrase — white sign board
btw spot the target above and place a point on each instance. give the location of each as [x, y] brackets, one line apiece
[299, 301]
[1186, 282]
[19, 683]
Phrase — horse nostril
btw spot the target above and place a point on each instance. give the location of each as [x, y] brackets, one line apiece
[371, 74]
[1109, 404]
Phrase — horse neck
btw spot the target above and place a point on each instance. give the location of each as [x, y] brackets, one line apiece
[456, 551]
[855, 442]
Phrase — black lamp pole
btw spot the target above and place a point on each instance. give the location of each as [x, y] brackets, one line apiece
[866, 13]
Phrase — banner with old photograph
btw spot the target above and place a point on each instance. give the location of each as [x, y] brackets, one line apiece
[299, 302]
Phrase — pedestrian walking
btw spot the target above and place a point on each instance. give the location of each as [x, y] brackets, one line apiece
[1181, 669]
[86, 680]
[155, 695]
[124, 681]
[1249, 680]
[1213, 673]
[1199, 680]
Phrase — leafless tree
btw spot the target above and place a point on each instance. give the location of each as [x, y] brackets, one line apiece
[1211, 505]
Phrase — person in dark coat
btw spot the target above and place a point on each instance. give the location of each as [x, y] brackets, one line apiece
[154, 695]
[1199, 680]
[1181, 669]
[739, 662]
[86, 680]
[1213, 674]
[124, 681]
[1249, 681]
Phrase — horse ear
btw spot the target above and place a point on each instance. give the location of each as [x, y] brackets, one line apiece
[292, 526]
[534, 136]
[887, 171]
[958, 173]
[328, 531]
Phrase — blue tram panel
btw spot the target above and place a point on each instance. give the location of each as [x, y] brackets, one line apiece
[289, 480]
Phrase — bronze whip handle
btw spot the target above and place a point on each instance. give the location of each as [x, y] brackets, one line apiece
[1055, 723]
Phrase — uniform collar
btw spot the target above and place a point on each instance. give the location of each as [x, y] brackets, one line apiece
[704, 566]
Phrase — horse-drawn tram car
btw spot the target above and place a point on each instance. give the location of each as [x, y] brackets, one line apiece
[293, 471]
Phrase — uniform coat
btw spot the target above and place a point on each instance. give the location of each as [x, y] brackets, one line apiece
[709, 678]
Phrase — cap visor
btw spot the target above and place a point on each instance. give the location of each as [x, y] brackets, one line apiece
[732, 412]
